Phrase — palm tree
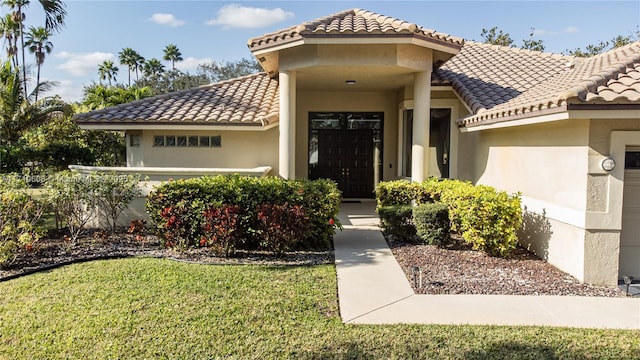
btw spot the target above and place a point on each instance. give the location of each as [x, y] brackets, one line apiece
[54, 11]
[39, 45]
[139, 64]
[8, 31]
[129, 57]
[152, 67]
[171, 53]
[108, 71]
[19, 113]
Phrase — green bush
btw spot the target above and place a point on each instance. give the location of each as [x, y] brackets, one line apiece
[397, 220]
[113, 193]
[432, 223]
[73, 200]
[20, 215]
[486, 218]
[401, 192]
[187, 200]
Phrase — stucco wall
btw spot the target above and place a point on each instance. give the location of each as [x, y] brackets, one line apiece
[548, 164]
[240, 149]
[312, 101]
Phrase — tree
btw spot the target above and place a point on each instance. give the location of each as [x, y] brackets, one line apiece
[171, 53]
[108, 71]
[496, 37]
[130, 58]
[216, 72]
[19, 113]
[173, 80]
[531, 44]
[152, 67]
[8, 30]
[38, 44]
[603, 46]
[139, 63]
[54, 11]
[98, 96]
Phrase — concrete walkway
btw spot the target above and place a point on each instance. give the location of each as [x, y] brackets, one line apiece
[373, 289]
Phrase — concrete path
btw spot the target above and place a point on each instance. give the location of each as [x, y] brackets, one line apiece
[373, 289]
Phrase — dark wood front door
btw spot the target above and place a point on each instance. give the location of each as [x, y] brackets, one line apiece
[346, 156]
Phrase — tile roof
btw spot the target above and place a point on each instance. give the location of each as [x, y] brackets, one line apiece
[250, 100]
[351, 22]
[496, 92]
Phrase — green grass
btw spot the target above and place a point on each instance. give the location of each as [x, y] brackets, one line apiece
[152, 308]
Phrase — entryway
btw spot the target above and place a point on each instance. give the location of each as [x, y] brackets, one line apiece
[347, 148]
[629, 264]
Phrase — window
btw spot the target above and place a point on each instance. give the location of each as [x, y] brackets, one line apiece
[185, 141]
[407, 141]
[134, 140]
[632, 160]
[158, 140]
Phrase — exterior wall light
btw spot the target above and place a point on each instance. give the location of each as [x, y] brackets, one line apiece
[350, 82]
[608, 164]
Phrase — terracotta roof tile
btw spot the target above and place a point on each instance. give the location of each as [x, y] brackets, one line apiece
[247, 100]
[351, 22]
[548, 82]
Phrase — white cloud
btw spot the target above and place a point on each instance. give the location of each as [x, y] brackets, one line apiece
[82, 64]
[68, 90]
[238, 16]
[571, 29]
[191, 63]
[166, 19]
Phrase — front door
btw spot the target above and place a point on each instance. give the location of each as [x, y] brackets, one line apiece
[345, 147]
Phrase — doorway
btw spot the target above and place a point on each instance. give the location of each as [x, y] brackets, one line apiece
[347, 147]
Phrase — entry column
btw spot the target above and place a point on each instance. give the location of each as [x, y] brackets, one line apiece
[287, 125]
[421, 119]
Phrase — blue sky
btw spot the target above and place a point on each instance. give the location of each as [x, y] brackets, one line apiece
[209, 30]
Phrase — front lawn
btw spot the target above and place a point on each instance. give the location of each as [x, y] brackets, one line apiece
[155, 308]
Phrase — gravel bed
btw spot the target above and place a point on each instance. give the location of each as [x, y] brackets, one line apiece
[457, 269]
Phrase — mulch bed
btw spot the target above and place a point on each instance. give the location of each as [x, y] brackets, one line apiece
[54, 251]
[457, 269]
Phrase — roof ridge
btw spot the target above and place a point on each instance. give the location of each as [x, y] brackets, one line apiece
[517, 49]
[385, 19]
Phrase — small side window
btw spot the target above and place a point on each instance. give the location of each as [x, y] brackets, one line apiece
[193, 141]
[216, 141]
[171, 141]
[182, 141]
[632, 160]
[204, 141]
[158, 140]
[134, 140]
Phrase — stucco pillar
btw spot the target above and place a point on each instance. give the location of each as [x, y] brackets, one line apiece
[287, 125]
[421, 118]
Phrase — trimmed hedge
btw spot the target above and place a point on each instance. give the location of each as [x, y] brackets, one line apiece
[432, 223]
[178, 209]
[488, 219]
[397, 220]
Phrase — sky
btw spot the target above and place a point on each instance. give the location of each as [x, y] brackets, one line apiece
[211, 30]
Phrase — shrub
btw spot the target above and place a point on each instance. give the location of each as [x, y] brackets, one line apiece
[486, 218]
[222, 229]
[401, 192]
[397, 220]
[432, 223]
[113, 193]
[20, 214]
[188, 200]
[73, 200]
[281, 226]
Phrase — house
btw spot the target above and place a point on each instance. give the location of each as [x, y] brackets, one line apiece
[359, 97]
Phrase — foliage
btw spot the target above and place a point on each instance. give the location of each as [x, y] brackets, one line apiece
[97, 96]
[38, 44]
[222, 230]
[113, 193]
[73, 200]
[400, 192]
[172, 80]
[531, 43]
[19, 113]
[397, 220]
[152, 67]
[108, 71]
[280, 226]
[216, 72]
[173, 54]
[488, 219]
[432, 223]
[604, 46]
[132, 60]
[182, 203]
[20, 215]
[495, 36]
